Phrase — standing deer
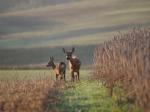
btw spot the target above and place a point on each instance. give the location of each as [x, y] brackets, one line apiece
[59, 69]
[74, 64]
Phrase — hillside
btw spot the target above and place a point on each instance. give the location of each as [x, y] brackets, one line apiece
[39, 57]
[75, 23]
[14, 5]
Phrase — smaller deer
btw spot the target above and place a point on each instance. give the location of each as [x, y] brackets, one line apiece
[59, 69]
[74, 64]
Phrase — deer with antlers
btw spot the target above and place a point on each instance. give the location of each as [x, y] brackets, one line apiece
[59, 69]
[74, 64]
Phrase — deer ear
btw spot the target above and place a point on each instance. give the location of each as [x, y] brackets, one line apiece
[64, 50]
[49, 58]
[73, 49]
[52, 58]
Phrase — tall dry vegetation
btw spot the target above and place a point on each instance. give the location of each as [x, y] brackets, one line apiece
[26, 96]
[124, 61]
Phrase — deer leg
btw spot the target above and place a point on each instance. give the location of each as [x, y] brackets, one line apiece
[64, 75]
[72, 76]
[78, 74]
[56, 77]
[61, 76]
[76, 77]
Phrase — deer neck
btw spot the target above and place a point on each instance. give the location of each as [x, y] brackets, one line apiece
[53, 66]
[71, 60]
[71, 63]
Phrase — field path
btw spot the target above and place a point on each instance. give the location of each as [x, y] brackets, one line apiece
[84, 96]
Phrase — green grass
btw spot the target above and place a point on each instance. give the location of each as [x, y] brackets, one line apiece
[8, 75]
[90, 96]
[86, 96]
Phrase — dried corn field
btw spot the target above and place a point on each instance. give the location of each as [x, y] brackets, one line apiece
[124, 62]
[26, 96]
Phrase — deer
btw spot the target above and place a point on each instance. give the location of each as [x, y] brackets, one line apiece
[59, 68]
[74, 64]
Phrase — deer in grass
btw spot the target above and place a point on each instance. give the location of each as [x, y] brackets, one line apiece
[74, 64]
[59, 69]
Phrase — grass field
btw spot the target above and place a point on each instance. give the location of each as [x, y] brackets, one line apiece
[24, 74]
[33, 74]
[84, 96]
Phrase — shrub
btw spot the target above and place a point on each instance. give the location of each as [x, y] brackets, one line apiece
[124, 61]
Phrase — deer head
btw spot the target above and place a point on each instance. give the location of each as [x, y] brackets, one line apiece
[69, 53]
[51, 62]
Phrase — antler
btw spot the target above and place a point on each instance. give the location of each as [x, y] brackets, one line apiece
[64, 50]
[73, 49]
[51, 58]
